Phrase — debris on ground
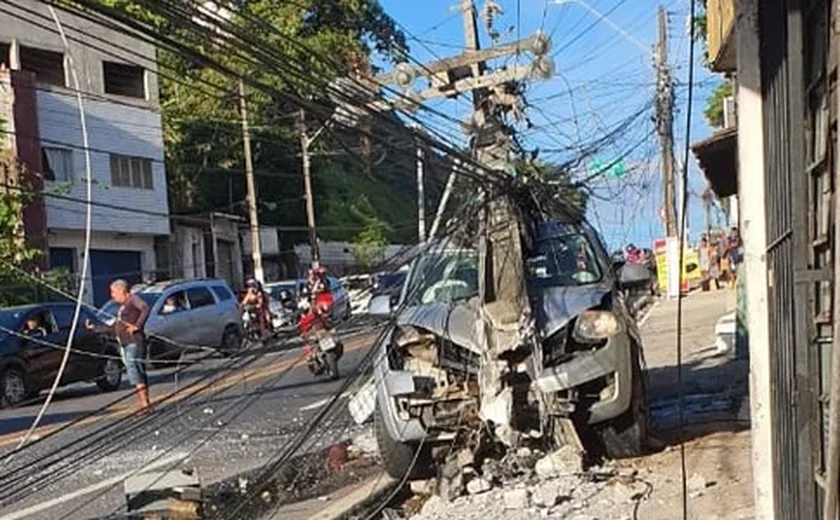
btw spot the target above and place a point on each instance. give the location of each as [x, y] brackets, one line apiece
[529, 484]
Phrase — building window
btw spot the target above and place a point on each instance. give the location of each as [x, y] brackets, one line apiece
[48, 66]
[57, 164]
[131, 172]
[124, 80]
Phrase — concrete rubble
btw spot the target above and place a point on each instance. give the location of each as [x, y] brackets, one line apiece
[534, 485]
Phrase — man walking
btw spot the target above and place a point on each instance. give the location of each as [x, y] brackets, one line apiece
[128, 328]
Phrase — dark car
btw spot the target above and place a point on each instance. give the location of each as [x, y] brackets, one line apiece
[30, 359]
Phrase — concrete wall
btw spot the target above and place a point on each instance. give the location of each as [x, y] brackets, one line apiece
[111, 129]
[31, 24]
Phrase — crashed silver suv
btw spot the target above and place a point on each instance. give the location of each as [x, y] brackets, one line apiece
[587, 367]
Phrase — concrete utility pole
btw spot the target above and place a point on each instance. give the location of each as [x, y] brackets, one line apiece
[256, 248]
[421, 197]
[665, 125]
[305, 142]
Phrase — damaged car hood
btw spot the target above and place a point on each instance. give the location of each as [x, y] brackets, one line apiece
[556, 306]
[453, 321]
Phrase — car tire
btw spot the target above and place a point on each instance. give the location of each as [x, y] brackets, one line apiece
[626, 435]
[111, 376]
[400, 458]
[331, 361]
[231, 340]
[13, 388]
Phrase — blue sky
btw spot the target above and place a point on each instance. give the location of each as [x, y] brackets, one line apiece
[601, 81]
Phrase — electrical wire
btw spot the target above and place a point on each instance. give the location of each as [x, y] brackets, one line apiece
[682, 238]
[88, 217]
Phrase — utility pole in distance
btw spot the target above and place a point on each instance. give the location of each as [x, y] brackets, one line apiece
[665, 125]
[305, 142]
[421, 197]
[256, 248]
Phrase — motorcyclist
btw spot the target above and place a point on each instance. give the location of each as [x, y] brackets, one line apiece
[633, 254]
[321, 299]
[256, 299]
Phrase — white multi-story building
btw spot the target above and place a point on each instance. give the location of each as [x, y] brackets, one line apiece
[118, 79]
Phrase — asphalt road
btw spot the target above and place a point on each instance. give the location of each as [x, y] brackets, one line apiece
[217, 419]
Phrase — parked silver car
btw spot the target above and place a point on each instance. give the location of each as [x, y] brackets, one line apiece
[187, 312]
[588, 365]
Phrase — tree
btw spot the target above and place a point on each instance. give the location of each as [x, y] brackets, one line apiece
[715, 104]
[370, 242]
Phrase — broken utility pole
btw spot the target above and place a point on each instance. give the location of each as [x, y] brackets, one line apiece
[253, 218]
[665, 126]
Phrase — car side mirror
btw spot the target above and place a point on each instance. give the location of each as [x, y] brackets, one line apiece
[380, 305]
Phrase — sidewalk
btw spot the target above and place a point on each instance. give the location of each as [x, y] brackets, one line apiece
[716, 414]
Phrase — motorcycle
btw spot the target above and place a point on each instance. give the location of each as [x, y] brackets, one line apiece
[251, 324]
[323, 348]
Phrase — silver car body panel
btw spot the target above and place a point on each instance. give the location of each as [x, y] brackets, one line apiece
[455, 322]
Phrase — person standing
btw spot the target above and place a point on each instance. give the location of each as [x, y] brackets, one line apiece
[128, 328]
[734, 255]
[705, 254]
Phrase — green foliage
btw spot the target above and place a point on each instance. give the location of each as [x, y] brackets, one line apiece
[369, 243]
[560, 180]
[715, 106]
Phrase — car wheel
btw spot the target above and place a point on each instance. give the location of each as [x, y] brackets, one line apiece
[111, 376]
[13, 387]
[231, 340]
[400, 458]
[626, 435]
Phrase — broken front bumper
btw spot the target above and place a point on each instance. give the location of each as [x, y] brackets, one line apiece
[610, 362]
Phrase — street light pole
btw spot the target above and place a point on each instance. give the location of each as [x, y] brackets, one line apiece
[305, 142]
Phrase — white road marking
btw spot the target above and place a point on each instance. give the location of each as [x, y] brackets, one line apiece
[314, 406]
[647, 314]
[49, 504]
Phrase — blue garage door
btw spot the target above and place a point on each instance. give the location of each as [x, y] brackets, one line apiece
[106, 266]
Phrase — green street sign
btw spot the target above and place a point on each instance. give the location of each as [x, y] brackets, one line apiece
[615, 168]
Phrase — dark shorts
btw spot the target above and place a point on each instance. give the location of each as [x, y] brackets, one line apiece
[134, 359]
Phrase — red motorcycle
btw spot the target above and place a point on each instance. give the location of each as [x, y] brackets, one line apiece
[323, 348]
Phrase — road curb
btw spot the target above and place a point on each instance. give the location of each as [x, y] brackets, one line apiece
[357, 497]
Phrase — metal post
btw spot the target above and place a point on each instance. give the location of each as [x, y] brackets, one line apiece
[307, 187]
[256, 249]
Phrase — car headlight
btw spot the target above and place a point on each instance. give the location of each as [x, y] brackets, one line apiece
[596, 326]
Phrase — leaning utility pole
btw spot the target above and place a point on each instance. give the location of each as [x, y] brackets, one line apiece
[305, 142]
[665, 125]
[256, 249]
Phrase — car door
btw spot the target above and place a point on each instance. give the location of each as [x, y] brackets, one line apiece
[42, 354]
[169, 330]
[83, 360]
[207, 317]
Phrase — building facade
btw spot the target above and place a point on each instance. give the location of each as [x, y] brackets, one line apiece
[117, 75]
[784, 56]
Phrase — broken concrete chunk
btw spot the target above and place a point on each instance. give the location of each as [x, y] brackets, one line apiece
[546, 495]
[478, 485]
[366, 442]
[564, 461]
[517, 499]
[423, 487]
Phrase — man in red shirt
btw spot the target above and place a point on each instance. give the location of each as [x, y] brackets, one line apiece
[128, 329]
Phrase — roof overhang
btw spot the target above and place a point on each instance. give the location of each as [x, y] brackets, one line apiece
[718, 158]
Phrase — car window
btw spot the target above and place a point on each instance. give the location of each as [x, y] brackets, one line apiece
[200, 297]
[175, 302]
[444, 277]
[64, 315]
[222, 292]
[42, 318]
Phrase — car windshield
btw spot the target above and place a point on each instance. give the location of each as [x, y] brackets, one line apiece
[441, 277]
[10, 320]
[564, 260]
